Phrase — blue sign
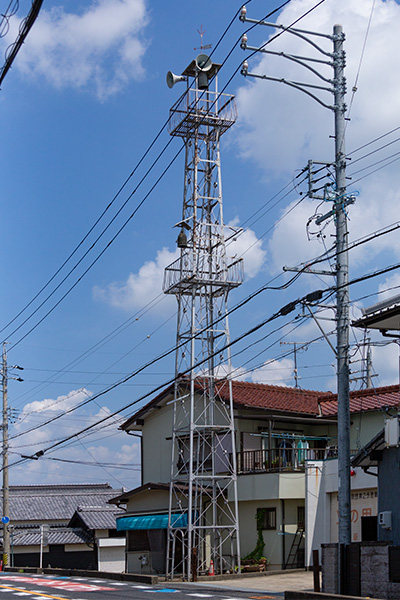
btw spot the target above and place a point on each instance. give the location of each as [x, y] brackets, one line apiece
[5, 520]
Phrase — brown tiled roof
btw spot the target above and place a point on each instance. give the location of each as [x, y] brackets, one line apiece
[250, 395]
[274, 397]
[365, 400]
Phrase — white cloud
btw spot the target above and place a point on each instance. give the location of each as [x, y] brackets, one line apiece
[385, 363]
[390, 287]
[293, 228]
[60, 404]
[101, 48]
[246, 245]
[108, 445]
[281, 128]
[140, 288]
[275, 372]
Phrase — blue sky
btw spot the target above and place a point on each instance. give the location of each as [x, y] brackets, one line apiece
[85, 98]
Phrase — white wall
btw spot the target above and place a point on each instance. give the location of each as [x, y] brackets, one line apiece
[111, 555]
[321, 503]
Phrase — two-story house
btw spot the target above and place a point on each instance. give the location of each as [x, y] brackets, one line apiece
[279, 431]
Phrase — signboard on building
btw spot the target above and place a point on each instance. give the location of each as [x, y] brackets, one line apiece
[364, 503]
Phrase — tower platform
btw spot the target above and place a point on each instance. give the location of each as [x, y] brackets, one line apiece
[206, 113]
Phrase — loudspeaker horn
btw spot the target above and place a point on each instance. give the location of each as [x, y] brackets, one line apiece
[203, 62]
[172, 79]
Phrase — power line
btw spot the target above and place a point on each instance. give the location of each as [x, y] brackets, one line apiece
[143, 200]
[239, 305]
[282, 312]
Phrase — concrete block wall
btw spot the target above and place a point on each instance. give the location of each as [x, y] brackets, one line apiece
[375, 570]
[374, 567]
[329, 567]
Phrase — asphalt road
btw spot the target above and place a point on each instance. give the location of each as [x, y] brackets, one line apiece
[42, 587]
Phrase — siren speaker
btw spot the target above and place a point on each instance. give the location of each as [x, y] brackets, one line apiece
[203, 62]
[172, 79]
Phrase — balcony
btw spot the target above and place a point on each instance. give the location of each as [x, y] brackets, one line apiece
[279, 460]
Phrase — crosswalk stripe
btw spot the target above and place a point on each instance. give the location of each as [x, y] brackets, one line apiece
[141, 587]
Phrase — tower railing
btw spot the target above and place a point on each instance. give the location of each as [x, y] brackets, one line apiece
[202, 110]
[184, 273]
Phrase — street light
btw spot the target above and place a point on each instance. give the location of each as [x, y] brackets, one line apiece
[337, 87]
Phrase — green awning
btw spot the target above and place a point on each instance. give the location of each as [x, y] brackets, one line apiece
[151, 522]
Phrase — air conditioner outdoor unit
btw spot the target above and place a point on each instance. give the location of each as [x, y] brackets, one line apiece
[392, 432]
[385, 519]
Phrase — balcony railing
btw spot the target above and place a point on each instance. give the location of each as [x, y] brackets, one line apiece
[280, 459]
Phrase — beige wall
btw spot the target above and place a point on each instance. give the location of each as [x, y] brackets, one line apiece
[364, 427]
[268, 486]
[148, 502]
[156, 448]
[275, 540]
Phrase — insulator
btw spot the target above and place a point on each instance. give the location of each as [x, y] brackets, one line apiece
[243, 13]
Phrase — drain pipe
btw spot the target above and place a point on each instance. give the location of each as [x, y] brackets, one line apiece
[283, 535]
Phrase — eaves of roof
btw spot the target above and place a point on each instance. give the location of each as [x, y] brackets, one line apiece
[137, 416]
[65, 535]
[147, 487]
[384, 315]
[123, 498]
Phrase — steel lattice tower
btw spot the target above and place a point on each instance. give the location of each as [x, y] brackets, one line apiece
[203, 507]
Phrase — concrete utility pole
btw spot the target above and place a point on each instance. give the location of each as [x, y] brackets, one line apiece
[368, 368]
[6, 489]
[342, 294]
[295, 373]
[337, 87]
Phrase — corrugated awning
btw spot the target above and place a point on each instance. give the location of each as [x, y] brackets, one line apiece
[151, 522]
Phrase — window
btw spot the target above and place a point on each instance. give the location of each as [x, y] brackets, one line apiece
[301, 517]
[138, 540]
[266, 518]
